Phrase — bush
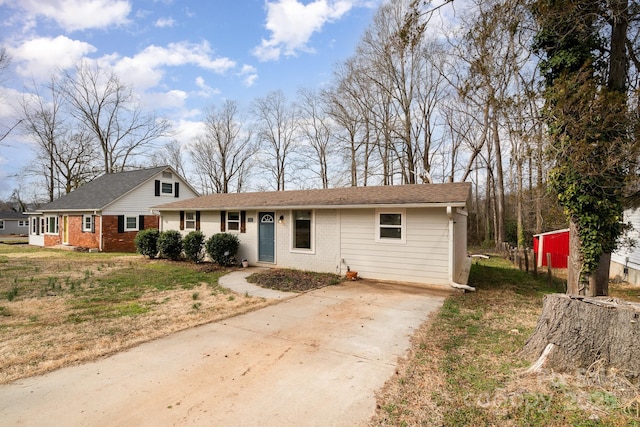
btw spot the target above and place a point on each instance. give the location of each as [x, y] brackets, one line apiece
[170, 244]
[193, 245]
[222, 247]
[146, 242]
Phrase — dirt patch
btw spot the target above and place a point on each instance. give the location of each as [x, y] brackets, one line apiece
[293, 280]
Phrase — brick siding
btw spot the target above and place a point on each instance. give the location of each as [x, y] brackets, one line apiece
[112, 241]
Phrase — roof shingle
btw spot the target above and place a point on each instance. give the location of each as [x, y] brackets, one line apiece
[417, 194]
[102, 191]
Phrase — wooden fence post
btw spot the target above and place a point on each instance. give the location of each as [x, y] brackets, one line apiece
[526, 259]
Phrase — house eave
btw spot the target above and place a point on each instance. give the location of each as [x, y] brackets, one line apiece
[315, 207]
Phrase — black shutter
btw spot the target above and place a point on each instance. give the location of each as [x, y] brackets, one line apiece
[141, 222]
[176, 189]
[223, 221]
[120, 223]
[181, 220]
[197, 220]
[243, 221]
[157, 187]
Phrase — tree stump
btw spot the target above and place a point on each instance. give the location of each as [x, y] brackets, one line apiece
[574, 332]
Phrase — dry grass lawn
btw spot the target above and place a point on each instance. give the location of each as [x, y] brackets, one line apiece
[59, 308]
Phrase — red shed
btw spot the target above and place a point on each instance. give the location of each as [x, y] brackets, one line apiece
[554, 242]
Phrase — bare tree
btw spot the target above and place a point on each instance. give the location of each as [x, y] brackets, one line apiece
[316, 128]
[66, 155]
[108, 108]
[222, 153]
[277, 127]
[172, 154]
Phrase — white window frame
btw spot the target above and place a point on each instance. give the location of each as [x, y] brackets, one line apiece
[166, 193]
[312, 236]
[189, 221]
[23, 223]
[48, 220]
[88, 229]
[402, 226]
[235, 222]
[126, 223]
[1, 224]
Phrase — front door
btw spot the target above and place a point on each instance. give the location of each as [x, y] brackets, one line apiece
[266, 237]
[65, 230]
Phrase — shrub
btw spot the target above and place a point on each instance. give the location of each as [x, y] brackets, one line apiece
[193, 245]
[170, 244]
[146, 242]
[222, 247]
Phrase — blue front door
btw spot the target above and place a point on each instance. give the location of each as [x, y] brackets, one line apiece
[266, 237]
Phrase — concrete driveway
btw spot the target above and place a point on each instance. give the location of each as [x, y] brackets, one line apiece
[313, 360]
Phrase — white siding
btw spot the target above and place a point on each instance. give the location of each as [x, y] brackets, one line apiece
[140, 200]
[325, 256]
[424, 258]
[620, 256]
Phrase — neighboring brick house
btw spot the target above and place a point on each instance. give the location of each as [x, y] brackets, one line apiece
[13, 223]
[406, 233]
[107, 213]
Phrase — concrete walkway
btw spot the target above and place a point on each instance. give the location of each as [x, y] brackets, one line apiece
[313, 360]
[236, 281]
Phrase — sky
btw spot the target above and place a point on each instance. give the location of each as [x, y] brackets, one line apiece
[178, 56]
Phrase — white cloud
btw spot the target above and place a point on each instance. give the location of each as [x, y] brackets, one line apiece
[292, 24]
[73, 15]
[42, 56]
[165, 23]
[146, 69]
[205, 90]
[172, 99]
[249, 74]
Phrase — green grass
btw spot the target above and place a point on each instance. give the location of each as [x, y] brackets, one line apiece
[477, 338]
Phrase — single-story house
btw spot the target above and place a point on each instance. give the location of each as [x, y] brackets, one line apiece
[13, 223]
[406, 233]
[107, 213]
[554, 243]
[625, 261]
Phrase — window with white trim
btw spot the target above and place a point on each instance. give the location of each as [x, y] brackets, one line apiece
[87, 223]
[233, 221]
[390, 226]
[23, 223]
[189, 220]
[1, 224]
[302, 223]
[52, 225]
[130, 223]
[166, 188]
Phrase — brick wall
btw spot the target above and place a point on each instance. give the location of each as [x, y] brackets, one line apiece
[77, 237]
[112, 241]
[52, 240]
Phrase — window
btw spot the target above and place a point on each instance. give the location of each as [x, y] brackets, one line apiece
[87, 223]
[52, 225]
[390, 226]
[302, 230]
[130, 223]
[23, 223]
[190, 220]
[167, 188]
[1, 224]
[233, 221]
[34, 226]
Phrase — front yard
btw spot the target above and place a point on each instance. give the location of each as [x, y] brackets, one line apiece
[62, 307]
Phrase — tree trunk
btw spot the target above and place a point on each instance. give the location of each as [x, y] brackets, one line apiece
[578, 332]
[596, 284]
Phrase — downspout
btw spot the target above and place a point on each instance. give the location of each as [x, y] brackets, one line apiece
[450, 215]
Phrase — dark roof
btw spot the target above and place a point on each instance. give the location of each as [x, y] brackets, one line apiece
[102, 191]
[12, 215]
[418, 194]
